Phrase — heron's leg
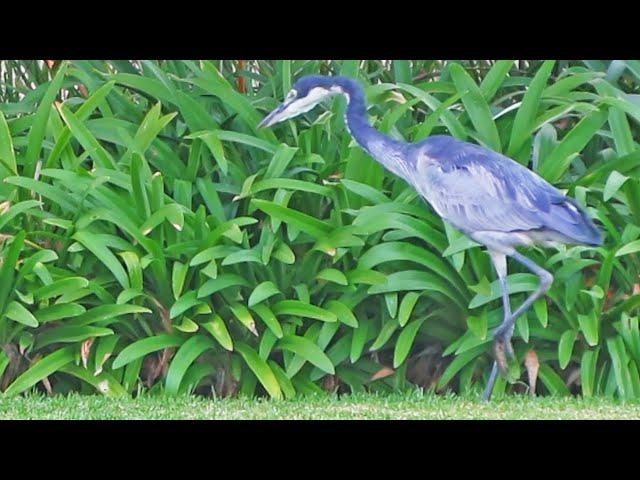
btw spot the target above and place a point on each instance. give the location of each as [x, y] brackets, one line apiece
[486, 395]
[500, 263]
[505, 331]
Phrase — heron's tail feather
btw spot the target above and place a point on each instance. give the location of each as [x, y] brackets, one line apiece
[571, 220]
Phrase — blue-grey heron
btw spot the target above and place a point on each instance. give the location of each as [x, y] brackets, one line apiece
[491, 198]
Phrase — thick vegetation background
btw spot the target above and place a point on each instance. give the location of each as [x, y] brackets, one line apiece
[152, 239]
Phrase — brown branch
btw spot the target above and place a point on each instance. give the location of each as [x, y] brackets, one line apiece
[242, 86]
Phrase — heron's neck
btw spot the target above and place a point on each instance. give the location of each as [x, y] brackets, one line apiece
[389, 152]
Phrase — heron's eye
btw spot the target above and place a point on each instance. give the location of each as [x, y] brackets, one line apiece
[291, 95]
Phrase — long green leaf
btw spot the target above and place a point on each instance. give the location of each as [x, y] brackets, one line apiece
[41, 369]
[476, 107]
[529, 108]
[307, 350]
[7, 271]
[38, 129]
[184, 357]
[261, 370]
[145, 346]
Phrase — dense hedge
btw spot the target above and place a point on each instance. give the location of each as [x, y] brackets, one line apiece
[154, 240]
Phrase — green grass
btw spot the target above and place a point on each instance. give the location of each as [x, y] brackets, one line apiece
[320, 407]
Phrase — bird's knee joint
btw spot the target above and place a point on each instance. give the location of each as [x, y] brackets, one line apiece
[546, 279]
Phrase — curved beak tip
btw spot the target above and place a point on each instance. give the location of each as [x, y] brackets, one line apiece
[273, 117]
[266, 121]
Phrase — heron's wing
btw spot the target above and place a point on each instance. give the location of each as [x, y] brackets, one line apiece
[476, 189]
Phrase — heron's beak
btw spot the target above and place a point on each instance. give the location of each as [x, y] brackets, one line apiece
[275, 116]
[296, 106]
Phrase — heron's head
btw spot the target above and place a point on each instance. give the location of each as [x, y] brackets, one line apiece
[305, 94]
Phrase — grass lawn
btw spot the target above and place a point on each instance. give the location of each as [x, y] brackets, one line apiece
[411, 406]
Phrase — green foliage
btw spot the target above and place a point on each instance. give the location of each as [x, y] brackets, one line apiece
[153, 238]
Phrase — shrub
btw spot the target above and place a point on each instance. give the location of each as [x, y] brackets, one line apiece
[154, 239]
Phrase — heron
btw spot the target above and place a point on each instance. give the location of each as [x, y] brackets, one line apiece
[491, 198]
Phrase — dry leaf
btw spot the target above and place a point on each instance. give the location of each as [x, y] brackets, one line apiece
[164, 313]
[330, 383]
[83, 90]
[47, 385]
[14, 367]
[573, 377]
[225, 384]
[396, 97]
[425, 368]
[533, 365]
[382, 373]
[85, 350]
[157, 366]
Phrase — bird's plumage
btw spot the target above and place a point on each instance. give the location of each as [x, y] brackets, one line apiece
[476, 189]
